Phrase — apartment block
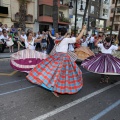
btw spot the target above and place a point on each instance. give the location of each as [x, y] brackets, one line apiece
[116, 25]
[9, 13]
[45, 14]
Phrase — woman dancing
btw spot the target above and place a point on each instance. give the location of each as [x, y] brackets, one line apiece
[27, 59]
[59, 73]
[104, 63]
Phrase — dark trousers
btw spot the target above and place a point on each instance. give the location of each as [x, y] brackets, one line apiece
[50, 47]
[91, 45]
[3, 46]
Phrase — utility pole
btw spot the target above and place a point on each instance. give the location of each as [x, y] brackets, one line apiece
[113, 19]
[85, 12]
[75, 18]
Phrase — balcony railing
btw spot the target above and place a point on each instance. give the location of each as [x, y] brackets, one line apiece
[117, 22]
[64, 19]
[29, 18]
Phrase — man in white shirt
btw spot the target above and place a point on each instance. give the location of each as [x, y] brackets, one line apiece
[3, 38]
[84, 41]
[39, 35]
[23, 35]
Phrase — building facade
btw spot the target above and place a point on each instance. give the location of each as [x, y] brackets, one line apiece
[11, 16]
[97, 15]
[45, 12]
[80, 14]
[116, 25]
[99, 12]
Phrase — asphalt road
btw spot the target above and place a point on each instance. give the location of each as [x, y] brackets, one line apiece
[21, 100]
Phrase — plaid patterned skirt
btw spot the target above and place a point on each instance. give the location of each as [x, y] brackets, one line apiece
[72, 55]
[103, 64]
[57, 73]
[27, 59]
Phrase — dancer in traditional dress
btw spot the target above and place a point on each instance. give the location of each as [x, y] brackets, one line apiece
[27, 59]
[83, 52]
[59, 73]
[104, 63]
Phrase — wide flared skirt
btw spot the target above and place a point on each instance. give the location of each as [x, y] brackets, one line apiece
[102, 64]
[57, 73]
[27, 59]
[83, 53]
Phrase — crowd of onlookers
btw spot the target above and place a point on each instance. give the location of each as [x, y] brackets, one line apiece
[10, 37]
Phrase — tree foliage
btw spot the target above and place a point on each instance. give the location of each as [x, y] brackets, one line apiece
[22, 12]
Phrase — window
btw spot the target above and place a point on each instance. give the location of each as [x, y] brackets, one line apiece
[45, 10]
[111, 18]
[105, 12]
[48, 10]
[106, 1]
[113, 1]
[116, 27]
[61, 14]
[41, 10]
[112, 10]
[117, 19]
[61, 2]
[92, 10]
[118, 10]
[118, 1]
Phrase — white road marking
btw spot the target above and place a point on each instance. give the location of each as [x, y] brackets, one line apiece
[101, 114]
[71, 104]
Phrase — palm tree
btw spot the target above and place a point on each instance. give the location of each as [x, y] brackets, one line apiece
[55, 15]
[22, 12]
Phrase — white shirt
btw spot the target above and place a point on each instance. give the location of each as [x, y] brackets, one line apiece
[91, 39]
[84, 43]
[63, 46]
[0, 29]
[3, 37]
[7, 29]
[24, 36]
[107, 51]
[40, 35]
[30, 44]
[53, 37]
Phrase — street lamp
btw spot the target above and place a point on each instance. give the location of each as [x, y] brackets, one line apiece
[81, 6]
[71, 6]
[81, 9]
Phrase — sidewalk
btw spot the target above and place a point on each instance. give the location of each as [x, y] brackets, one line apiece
[6, 53]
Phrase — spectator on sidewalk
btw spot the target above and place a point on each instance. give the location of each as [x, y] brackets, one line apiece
[6, 27]
[9, 43]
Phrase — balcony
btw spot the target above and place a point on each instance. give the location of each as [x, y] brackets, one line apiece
[63, 20]
[117, 22]
[64, 6]
[46, 2]
[29, 18]
[117, 13]
[47, 19]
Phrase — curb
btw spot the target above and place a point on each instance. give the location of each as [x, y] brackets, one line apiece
[5, 58]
